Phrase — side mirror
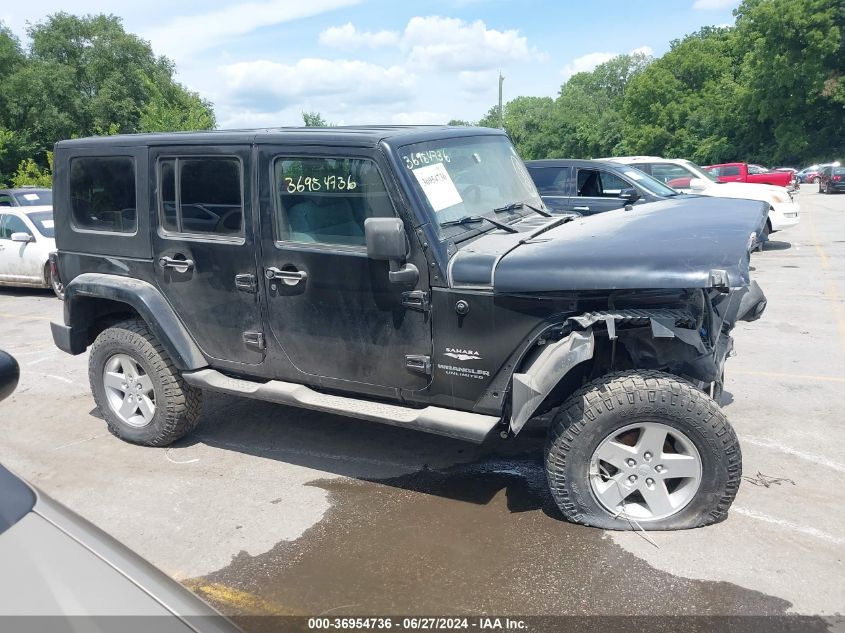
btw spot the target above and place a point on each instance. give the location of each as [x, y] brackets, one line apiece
[697, 184]
[9, 374]
[386, 242]
[631, 195]
[22, 237]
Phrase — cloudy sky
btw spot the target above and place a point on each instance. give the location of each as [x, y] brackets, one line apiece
[263, 62]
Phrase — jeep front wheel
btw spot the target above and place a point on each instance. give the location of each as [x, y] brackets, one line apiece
[138, 389]
[642, 449]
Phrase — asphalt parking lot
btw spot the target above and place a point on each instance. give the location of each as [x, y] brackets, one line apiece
[268, 509]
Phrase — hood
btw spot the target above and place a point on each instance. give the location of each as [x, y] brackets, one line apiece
[691, 243]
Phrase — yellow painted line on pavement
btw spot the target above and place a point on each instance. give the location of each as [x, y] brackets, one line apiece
[242, 601]
[775, 374]
[24, 317]
[830, 287]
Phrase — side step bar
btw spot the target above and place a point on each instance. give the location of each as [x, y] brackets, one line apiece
[461, 425]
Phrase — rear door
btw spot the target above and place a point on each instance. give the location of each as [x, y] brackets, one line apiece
[204, 247]
[334, 311]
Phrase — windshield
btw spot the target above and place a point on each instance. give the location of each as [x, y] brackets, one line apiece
[34, 197]
[652, 185]
[467, 177]
[43, 221]
[697, 171]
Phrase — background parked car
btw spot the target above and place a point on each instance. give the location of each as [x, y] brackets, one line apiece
[588, 186]
[26, 197]
[808, 174]
[831, 179]
[747, 172]
[26, 241]
[690, 178]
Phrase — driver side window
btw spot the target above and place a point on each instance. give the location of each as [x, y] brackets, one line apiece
[13, 224]
[594, 183]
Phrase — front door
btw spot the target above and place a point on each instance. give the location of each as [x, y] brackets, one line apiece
[597, 191]
[204, 248]
[333, 311]
[18, 261]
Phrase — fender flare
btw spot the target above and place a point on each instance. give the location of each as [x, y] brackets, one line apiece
[140, 295]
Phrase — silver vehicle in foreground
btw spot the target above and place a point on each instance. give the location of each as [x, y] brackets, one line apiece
[55, 563]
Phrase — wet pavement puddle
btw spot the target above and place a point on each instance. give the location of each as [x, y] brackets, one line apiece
[477, 538]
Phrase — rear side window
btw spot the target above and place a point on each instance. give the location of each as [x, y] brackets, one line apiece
[201, 196]
[326, 200]
[102, 194]
[551, 180]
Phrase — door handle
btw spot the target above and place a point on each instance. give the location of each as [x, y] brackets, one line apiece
[580, 208]
[180, 265]
[290, 277]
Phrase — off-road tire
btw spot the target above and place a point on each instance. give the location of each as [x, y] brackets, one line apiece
[619, 399]
[178, 404]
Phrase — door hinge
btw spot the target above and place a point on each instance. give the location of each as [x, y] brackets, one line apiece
[416, 300]
[246, 282]
[254, 340]
[417, 363]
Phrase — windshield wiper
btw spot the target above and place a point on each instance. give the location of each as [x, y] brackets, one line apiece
[513, 206]
[476, 219]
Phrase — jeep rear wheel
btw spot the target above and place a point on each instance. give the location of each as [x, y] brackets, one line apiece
[138, 389]
[642, 449]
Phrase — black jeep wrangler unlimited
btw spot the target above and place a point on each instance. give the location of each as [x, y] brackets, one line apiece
[410, 276]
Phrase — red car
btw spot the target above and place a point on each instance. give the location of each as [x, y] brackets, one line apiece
[745, 172]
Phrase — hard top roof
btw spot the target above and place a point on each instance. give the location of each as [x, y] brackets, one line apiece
[572, 162]
[361, 136]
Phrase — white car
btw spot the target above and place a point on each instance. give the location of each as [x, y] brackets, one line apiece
[688, 177]
[26, 241]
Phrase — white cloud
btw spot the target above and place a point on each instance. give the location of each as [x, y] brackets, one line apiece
[585, 63]
[315, 83]
[713, 5]
[185, 35]
[436, 43]
[588, 62]
[642, 50]
[347, 36]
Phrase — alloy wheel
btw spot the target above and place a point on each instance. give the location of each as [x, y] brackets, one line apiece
[129, 390]
[645, 471]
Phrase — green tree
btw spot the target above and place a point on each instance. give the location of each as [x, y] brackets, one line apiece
[87, 75]
[29, 173]
[173, 108]
[684, 104]
[793, 78]
[527, 122]
[588, 111]
[314, 119]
